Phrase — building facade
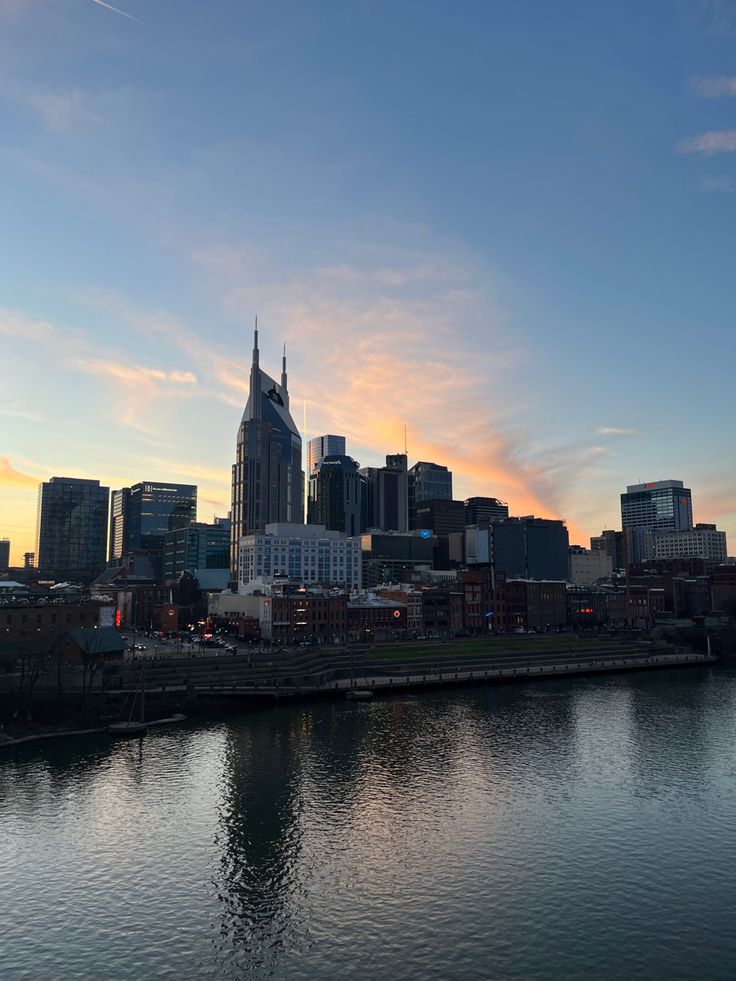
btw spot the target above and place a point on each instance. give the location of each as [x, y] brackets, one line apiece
[141, 515]
[303, 553]
[71, 530]
[443, 517]
[651, 509]
[322, 446]
[480, 511]
[195, 547]
[335, 494]
[267, 476]
[390, 557]
[612, 543]
[701, 542]
[586, 566]
[385, 495]
[530, 548]
[4, 554]
[427, 482]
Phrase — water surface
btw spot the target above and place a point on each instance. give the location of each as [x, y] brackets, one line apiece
[568, 829]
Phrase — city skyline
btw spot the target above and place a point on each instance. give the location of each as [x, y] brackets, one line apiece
[548, 314]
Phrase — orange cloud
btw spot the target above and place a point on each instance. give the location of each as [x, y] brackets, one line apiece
[15, 478]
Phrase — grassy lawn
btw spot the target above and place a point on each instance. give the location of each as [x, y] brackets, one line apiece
[468, 646]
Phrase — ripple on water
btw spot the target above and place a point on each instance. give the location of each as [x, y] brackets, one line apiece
[576, 830]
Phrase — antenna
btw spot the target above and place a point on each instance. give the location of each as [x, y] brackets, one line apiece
[406, 451]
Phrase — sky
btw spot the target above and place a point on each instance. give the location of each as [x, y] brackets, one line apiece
[506, 224]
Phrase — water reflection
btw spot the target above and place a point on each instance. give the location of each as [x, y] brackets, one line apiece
[578, 828]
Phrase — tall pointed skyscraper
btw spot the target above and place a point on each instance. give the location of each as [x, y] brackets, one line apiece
[267, 477]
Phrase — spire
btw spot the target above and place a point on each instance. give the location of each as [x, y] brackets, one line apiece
[253, 408]
[283, 370]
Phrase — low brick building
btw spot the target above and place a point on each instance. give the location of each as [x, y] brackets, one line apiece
[371, 618]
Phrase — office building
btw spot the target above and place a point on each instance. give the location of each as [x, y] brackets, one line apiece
[385, 495]
[29, 560]
[441, 517]
[427, 482]
[612, 543]
[71, 535]
[530, 548]
[321, 446]
[390, 557]
[267, 477]
[194, 548]
[304, 553]
[651, 509]
[480, 511]
[701, 542]
[4, 554]
[141, 515]
[335, 492]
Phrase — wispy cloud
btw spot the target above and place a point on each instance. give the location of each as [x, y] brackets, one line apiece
[713, 86]
[708, 144]
[116, 10]
[715, 185]
[15, 478]
[62, 110]
[615, 431]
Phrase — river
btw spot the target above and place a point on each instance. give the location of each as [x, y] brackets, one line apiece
[576, 829]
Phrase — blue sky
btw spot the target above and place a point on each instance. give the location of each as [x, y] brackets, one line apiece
[507, 224]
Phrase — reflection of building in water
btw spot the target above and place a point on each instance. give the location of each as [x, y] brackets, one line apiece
[258, 832]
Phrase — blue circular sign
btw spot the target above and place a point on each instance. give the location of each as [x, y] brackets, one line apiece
[425, 533]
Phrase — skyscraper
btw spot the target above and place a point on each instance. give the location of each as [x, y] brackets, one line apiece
[427, 482]
[267, 476]
[142, 514]
[72, 525]
[335, 494]
[650, 509]
[322, 446]
[4, 554]
[386, 495]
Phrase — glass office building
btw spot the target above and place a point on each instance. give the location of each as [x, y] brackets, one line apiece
[71, 529]
[651, 509]
[141, 515]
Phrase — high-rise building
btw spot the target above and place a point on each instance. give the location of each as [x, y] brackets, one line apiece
[530, 548]
[653, 508]
[267, 476]
[72, 525]
[480, 511]
[4, 554]
[427, 482]
[142, 514]
[29, 560]
[335, 495]
[386, 495]
[322, 446]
